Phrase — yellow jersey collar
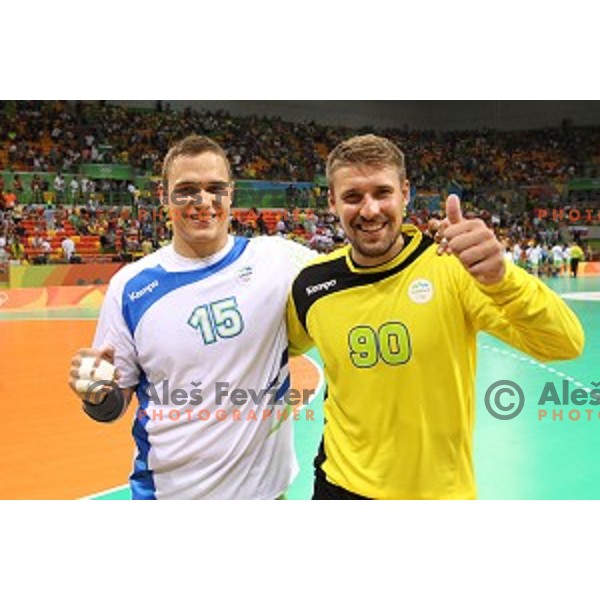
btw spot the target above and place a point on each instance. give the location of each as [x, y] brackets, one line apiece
[412, 237]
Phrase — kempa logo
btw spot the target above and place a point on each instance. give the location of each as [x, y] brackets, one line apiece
[313, 289]
[145, 290]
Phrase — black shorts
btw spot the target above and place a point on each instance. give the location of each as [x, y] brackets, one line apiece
[325, 490]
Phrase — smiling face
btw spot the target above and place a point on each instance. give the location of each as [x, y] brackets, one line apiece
[199, 200]
[370, 202]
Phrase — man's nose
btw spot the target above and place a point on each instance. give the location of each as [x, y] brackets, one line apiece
[202, 198]
[370, 207]
[199, 203]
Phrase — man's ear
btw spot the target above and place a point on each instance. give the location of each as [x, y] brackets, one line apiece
[406, 193]
[232, 192]
[331, 202]
[163, 193]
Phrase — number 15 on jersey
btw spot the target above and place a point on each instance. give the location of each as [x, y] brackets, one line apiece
[220, 319]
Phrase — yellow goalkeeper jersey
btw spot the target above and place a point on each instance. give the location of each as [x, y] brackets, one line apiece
[398, 342]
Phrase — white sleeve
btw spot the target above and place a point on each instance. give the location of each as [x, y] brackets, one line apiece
[113, 331]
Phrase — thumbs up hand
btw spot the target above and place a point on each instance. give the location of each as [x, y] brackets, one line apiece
[473, 243]
[453, 210]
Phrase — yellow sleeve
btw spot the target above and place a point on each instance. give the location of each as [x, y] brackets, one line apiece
[299, 340]
[525, 313]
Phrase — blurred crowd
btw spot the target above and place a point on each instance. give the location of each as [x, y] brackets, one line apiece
[502, 176]
[48, 233]
[57, 136]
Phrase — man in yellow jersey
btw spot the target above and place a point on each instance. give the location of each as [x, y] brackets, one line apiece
[395, 317]
[576, 256]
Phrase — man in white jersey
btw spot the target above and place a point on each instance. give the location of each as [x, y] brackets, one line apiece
[534, 257]
[197, 330]
[557, 259]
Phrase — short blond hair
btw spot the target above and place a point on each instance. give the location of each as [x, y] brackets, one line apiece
[369, 150]
[193, 145]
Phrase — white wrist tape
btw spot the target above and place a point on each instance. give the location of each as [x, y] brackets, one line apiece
[105, 371]
[89, 374]
[87, 367]
[81, 385]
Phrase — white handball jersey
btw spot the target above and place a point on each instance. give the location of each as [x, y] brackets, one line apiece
[534, 255]
[204, 343]
[557, 254]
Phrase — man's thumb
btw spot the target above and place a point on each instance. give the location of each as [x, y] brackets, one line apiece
[453, 211]
[108, 353]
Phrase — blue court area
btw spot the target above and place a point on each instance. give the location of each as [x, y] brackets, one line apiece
[530, 456]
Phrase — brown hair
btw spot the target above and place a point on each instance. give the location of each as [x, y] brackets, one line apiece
[192, 145]
[366, 150]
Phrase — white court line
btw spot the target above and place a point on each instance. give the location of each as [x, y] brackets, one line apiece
[104, 492]
[536, 363]
[321, 382]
